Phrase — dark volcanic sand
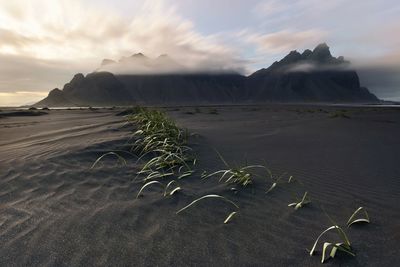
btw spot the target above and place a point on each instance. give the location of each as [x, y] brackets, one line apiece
[56, 211]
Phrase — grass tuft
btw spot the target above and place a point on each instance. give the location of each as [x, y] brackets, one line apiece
[234, 175]
[159, 137]
[302, 202]
[342, 246]
[275, 180]
[353, 219]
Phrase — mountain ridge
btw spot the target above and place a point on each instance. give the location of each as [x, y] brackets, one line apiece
[311, 76]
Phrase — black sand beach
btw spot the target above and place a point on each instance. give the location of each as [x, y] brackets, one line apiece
[56, 211]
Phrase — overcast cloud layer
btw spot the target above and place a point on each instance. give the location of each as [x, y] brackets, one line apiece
[44, 42]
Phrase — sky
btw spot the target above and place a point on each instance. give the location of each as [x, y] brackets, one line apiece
[43, 43]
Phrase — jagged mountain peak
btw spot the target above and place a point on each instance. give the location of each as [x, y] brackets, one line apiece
[313, 75]
[321, 53]
[319, 56]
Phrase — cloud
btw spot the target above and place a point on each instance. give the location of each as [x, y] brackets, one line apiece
[285, 40]
[271, 7]
[65, 30]
[48, 36]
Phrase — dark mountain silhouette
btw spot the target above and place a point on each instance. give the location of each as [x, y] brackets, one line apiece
[311, 76]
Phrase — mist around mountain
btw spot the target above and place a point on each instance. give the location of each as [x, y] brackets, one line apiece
[311, 76]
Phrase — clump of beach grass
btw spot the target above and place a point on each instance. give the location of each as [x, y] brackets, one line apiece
[275, 180]
[160, 138]
[353, 218]
[235, 175]
[301, 202]
[344, 243]
[343, 246]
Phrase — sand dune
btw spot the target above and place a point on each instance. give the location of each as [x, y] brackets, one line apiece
[56, 211]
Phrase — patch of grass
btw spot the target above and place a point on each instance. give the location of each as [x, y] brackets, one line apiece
[343, 246]
[275, 180]
[235, 175]
[353, 217]
[301, 202]
[159, 137]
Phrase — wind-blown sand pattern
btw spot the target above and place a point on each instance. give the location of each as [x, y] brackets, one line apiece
[56, 211]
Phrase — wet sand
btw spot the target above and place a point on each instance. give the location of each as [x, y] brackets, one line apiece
[56, 211]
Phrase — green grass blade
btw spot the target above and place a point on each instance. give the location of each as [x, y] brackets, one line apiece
[318, 238]
[168, 185]
[188, 173]
[175, 190]
[343, 235]
[204, 197]
[334, 250]
[325, 247]
[342, 247]
[271, 188]
[106, 154]
[352, 219]
[230, 216]
[222, 159]
[146, 185]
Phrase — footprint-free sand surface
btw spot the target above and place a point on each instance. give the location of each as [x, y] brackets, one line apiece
[57, 211]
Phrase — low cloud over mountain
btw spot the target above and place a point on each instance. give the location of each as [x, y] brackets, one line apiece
[140, 80]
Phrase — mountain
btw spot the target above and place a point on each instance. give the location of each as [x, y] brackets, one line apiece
[311, 76]
[97, 88]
